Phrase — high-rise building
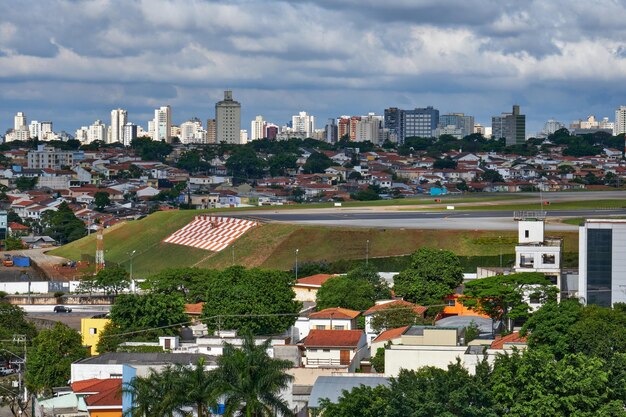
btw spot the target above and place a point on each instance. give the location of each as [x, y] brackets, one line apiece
[211, 132]
[19, 121]
[620, 121]
[82, 134]
[228, 120]
[458, 121]
[97, 131]
[243, 136]
[552, 126]
[510, 126]
[163, 124]
[393, 123]
[191, 132]
[343, 127]
[369, 129]
[48, 157]
[130, 133]
[330, 131]
[45, 131]
[118, 121]
[271, 131]
[303, 123]
[257, 128]
[34, 129]
[419, 122]
[601, 262]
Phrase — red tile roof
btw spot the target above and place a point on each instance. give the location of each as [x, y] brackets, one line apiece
[316, 280]
[95, 385]
[335, 313]
[397, 303]
[17, 226]
[194, 309]
[513, 338]
[391, 334]
[333, 338]
[109, 398]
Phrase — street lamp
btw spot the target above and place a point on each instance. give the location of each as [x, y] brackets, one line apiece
[297, 250]
[232, 251]
[367, 251]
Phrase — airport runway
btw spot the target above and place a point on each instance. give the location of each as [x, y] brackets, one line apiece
[448, 219]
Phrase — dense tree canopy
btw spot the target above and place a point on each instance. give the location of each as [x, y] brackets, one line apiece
[257, 300]
[317, 163]
[357, 290]
[49, 360]
[434, 274]
[191, 283]
[63, 225]
[101, 200]
[244, 164]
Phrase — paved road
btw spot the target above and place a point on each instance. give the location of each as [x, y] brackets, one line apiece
[466, 220]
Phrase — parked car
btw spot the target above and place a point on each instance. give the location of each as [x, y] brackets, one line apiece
[62, 309]
[6, 371]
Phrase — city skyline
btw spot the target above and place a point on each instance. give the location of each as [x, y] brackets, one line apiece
[280, 58]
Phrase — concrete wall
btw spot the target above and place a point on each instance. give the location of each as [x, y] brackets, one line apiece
[414, 357]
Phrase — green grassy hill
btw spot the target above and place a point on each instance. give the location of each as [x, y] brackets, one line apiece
[273, 245]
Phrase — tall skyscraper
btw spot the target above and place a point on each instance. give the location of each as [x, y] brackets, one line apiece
[393, 123]
[303, 123]
[118, 121]
[19, 121]
[130, 133]
[97, 131]
[459, 121]
[257, 128]
[271, 130]
[510, 126]
[330, 131]
[419, 122]
[228, 120]
[163, 124]
[620, 121]
[343, 127]
[211, 133]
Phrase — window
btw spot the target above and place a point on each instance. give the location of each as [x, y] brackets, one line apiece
[450, 303]
[526, 233]
[326, 350]
[93, 330]
[339, 327]
[548, 258]
[527, 261]
[320, 327]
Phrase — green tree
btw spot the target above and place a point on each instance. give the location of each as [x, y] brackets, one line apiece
[504, 297]
[491, 175]
[142, 318]
[198, 388]
[25, 183]
[378, 360]
[112, 280]
[101, 200]
[63, 225]
[190, 282]
[49, 360]
[192, 161]
[256, 300]
[244, 164]
[445, 163]
[317, 163]
[433, 274]
[13, 243]
[395, 316]
[346, 292]
[251, 382]
[280, 163]
[367, 194]
[362, 401]
[150, 150]
[158, 394]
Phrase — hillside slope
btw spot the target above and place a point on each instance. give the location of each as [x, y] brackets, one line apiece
[273, 245]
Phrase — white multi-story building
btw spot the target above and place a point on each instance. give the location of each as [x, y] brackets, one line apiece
[119, 118]
[82, 134]
[303, 123]
[162, 124]
[34, 129]
[97, 131]
[47, 157]
[369, 128]
[130, 133]
[19, 121]
[257, 128]
[45, 131]
[192, 132]
[243, 137]
[552, 126]
[228, 120]
[620, 121]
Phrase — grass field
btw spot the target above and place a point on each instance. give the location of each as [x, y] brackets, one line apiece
[274, 245]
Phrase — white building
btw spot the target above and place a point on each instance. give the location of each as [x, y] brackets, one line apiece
[228, 120]
[257, 128]
[602, 264]
[118, 121]
[97, 131]
[552, 126]
[45, 131]
[191, 131]
[303, 123]
[620, 121]
[19, 121]
[369, 128]
[82, 134]
[162, 124]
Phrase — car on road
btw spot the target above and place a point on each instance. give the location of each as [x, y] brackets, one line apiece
[6, 371]
[62, 309]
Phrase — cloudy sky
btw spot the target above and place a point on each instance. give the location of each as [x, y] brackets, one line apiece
[73, 61]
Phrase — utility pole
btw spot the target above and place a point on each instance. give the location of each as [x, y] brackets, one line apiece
[297, 250]
[367, 252]
[132, 281]
[232, 251]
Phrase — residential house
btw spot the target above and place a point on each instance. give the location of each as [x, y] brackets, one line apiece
[306, 288]
[334, 319]
[383, 305]
[335, 348]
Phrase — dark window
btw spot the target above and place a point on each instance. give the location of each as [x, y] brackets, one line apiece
[526, 233]
[548, 259]
[599, 270]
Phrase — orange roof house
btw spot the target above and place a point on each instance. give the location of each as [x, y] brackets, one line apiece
[306, 287]
[454, 307]
[103, 397]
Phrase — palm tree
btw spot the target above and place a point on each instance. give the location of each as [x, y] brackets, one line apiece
[156, 395]
[198, 388]
[249, 381]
